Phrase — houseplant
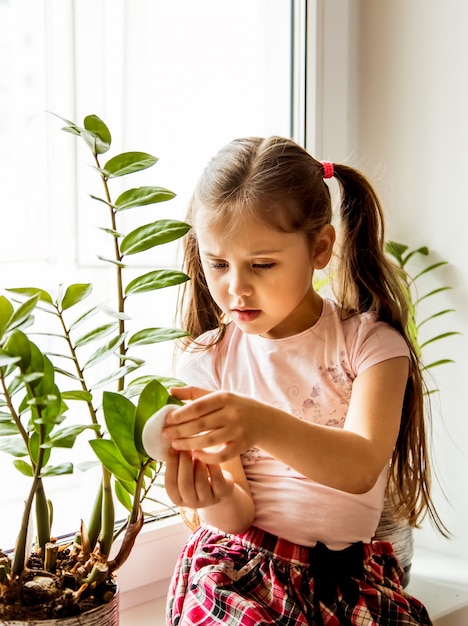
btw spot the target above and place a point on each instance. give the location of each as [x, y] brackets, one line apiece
[412, 274]
[50, 347]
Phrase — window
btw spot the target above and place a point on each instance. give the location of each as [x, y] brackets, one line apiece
[176, 79]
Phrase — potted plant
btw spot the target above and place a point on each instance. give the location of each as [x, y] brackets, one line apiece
[50, 349]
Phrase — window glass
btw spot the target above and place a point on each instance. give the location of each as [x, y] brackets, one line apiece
[175, 79]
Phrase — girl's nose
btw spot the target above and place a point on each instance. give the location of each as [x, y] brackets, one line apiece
[239, 283]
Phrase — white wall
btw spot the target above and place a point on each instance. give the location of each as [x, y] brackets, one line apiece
[412, 140]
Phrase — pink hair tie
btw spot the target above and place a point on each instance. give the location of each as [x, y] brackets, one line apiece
[328, 169]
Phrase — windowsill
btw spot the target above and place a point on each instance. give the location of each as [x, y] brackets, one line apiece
[146, 574]
[441, 583]
[148, 614]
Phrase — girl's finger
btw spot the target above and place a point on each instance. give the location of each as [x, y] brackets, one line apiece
[211, 440]
[221, 481]
[186, 480]
[203, 486]
[188, 393]
[171, 474]
[216, 455]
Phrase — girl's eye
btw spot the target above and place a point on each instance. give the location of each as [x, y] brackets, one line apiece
[218, 266]
[262, 266]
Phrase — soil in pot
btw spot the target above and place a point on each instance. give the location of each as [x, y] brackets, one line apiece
[57, 598]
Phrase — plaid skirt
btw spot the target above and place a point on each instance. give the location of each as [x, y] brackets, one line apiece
[255, 579]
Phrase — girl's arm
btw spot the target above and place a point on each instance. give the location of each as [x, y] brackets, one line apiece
[220, 494]
[350, 459]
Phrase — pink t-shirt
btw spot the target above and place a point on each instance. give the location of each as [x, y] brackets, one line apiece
[310, 375]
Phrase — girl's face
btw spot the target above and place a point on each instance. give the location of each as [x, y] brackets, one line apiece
[260, 277]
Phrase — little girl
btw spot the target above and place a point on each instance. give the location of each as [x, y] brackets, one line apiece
[301, 412]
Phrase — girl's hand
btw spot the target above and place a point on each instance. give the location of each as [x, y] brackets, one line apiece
[193, 484]
[215, 426]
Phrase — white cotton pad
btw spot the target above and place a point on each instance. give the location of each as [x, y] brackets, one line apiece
[155, 445]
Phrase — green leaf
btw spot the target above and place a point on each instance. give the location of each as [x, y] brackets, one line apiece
[156, 335]
[152, 398]
[430, 268]
[74, 294]
[95, 333]
[71, 126]
[105, 350]
[87, 465]
[6, 359]
[13, 445]
[122, 496]
[22, 313]
[84, 317]
[18, 345]
[42, 295]
[119, 415]
[6, 311]
[135, 387]
[7, 429]
[155, 234]
[111, 231]
[121, 372]
[434, 315]
[112, 261]
[118, 315]
[397, 250]
[79, 394]
[34, 447]
[57, 470]
[439, 362]
[134, 360]
[66, 437]
[129, 487]
[424, 250]
[103, 200]
[157, 279]
[112, 459]
[432, 293]
[24, 468]
[98, 136]
[438, 337]
[142, 196]
[128, 162]
[66, 373]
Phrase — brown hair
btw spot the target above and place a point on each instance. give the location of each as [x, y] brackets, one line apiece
[280, 183]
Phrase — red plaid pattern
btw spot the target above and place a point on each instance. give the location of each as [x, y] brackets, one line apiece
[256, 579]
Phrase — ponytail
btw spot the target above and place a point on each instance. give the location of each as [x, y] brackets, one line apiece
[366, 280]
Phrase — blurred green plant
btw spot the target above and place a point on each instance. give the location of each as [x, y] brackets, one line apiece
[412, 283]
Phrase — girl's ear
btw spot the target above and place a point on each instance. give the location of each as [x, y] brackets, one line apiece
[323, 247]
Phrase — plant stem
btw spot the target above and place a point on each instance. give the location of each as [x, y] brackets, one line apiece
[79, 371]
[118, 269]
[108, 515]
[99, 522]
[20, 548]
[11, 408]
[42, 517]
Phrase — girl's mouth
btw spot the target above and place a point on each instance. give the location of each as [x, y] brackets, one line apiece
[246, 315]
